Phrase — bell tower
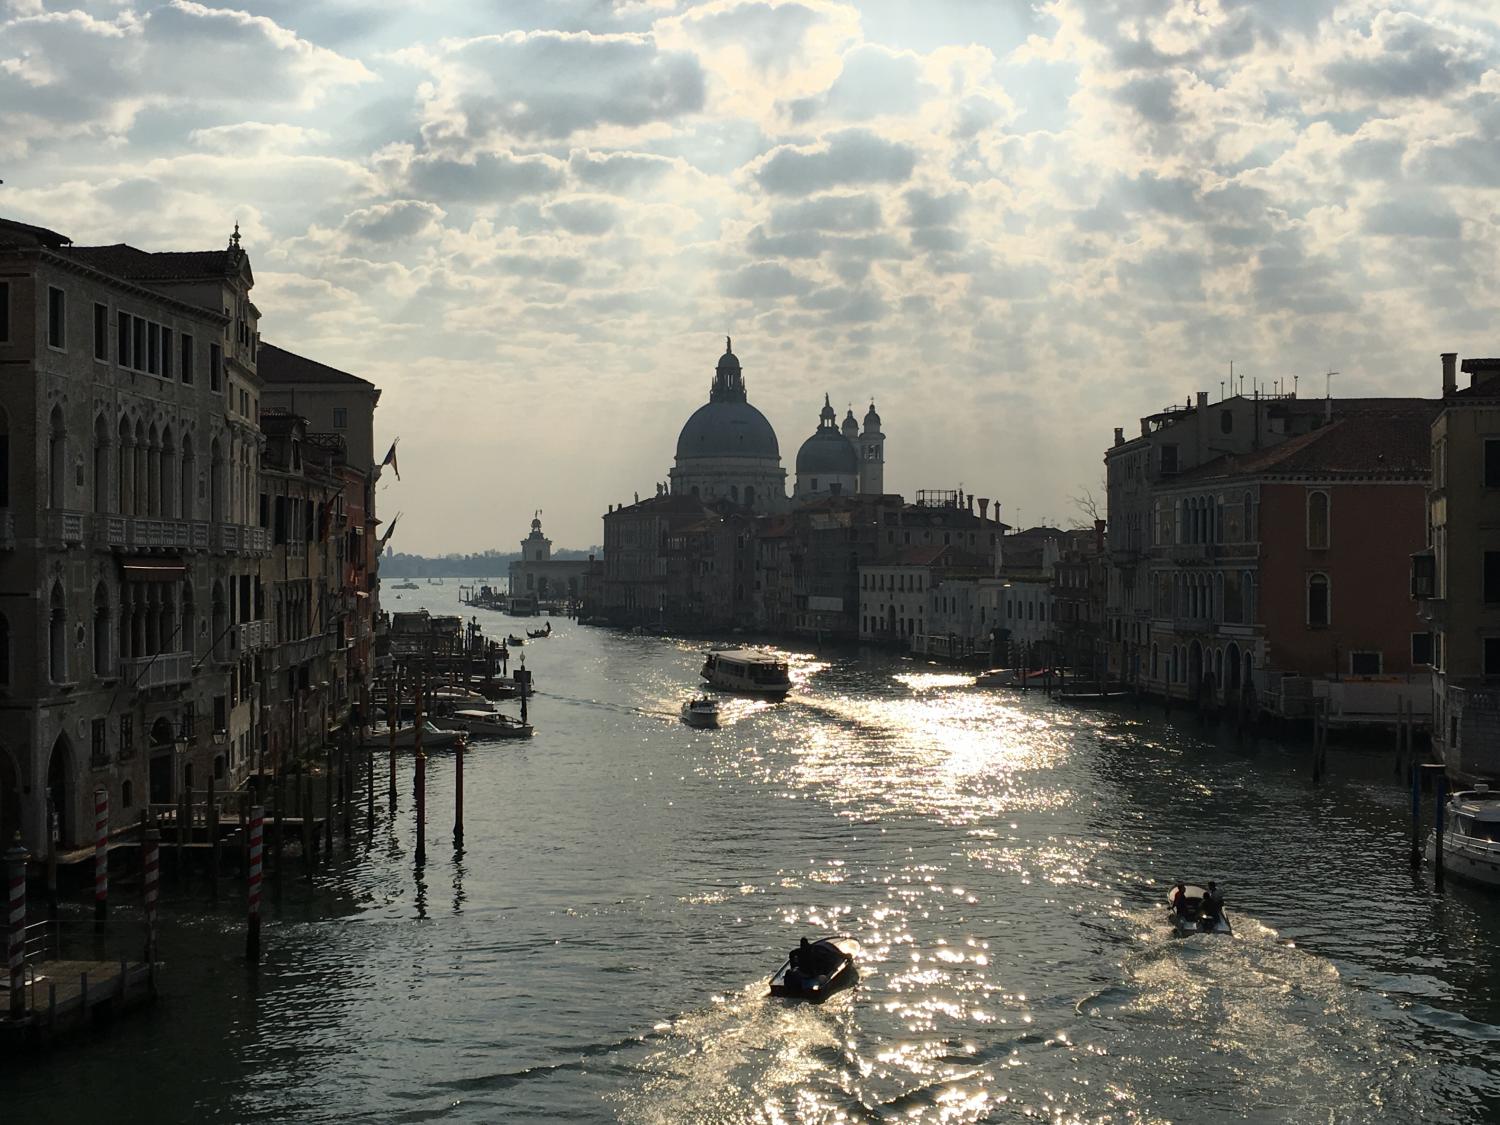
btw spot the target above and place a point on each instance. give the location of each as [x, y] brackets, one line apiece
[872, 455]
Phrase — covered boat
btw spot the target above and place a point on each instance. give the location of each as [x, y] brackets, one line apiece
[1471, 836]
[1191, 914]
[817, 969]
[751, 670]
[486, 724]
[702, 712]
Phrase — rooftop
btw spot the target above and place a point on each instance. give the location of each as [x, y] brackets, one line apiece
[1396, 444]
[277, 365]
[126, 261]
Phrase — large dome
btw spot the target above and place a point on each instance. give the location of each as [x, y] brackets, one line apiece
[727, 429]
[828, 452]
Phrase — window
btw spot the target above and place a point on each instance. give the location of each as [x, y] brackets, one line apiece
[1317, 521]
[340, 417]
[1364, 663]
[127, 736]
[1491, 577]
[137, 343]
[4, 312]
[57, 318]
[186, 366]
[166, 353]
[1421, 648]
[1492, 656]
[1226, 421]
[215, 367]
[1317, 600]
[101, 332]
[98, 743]
[1491, 460]
[1168, 459]
[122, 339]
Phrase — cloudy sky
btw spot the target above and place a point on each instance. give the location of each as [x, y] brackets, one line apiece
[1014, 225]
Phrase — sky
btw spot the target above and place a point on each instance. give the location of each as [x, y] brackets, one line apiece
[1014, 226]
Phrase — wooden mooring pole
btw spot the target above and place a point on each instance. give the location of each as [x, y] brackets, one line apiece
[392, 722]
[421, 779]
[15, 869]
[101, 855]
[252, 930]
[458, 796]
[1415, 771]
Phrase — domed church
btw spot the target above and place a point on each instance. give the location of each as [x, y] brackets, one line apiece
[727, 450]
[839, 460]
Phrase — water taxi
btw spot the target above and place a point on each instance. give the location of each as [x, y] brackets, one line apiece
[1189, 915]
[485, 724]
[702, 713]
[816, 970]
[750, 670]
[1471, 836]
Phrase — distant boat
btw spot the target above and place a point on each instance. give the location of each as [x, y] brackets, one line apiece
[540, 634]
[1191, 917]
[486, 724]
[702, 713]
[515, 641]
[822, 968]
[406, 737]
[407, 585]
[749, 670]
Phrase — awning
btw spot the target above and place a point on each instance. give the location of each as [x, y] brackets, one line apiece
[153, 570]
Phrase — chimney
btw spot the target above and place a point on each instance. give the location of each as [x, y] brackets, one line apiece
[1145, 427]
[971, 503]
[1202, 399]
[1450, 373]
[1119, 435]
[984, 507]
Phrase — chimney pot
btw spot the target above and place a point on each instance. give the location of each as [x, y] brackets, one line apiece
[1450, 373]
[1119, 435]
[1202, 398]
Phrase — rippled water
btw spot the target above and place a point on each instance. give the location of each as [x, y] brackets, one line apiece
[599, 950]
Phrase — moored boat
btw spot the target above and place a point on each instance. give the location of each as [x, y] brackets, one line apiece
[701, 712]
[485, 724]
[1014, 678]
[515, 641]
[1192, 914]
[817, 969]
[406, 737]
[1471, 836]
[749, 670]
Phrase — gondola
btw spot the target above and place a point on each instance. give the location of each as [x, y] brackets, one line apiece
[539, 634]
[824, 967]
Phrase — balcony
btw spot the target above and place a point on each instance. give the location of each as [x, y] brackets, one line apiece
[65, 527]
[165, 669]
[254, 636]
[233, 538]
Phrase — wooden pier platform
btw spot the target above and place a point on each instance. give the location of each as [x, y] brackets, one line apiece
[67, 996]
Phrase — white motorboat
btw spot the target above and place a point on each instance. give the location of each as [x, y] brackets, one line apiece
[1471, 836]
[486, 724]
[406, 737]
[702, 713]
[751, 670]
[1189, 915]
[458, 696]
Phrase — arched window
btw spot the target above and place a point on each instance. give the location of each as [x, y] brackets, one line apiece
[142, 479]
[1318, 605]
[1317, 521]
[216, 482]
[102, 495]
[57, 636]
[186, 508]
[57, 458]
[166, 484]
[153, 472]
[101, 631]
[1250, 530]
[125, 470]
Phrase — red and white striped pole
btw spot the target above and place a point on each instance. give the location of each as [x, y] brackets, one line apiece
[252, 932]
[151, 859]
[101, 853]
[15, 866]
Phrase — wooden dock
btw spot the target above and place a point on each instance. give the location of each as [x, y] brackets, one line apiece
[62, 997]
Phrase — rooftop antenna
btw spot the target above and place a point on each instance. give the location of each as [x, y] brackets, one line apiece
[1328, 383]
[1295, 380]
[1221, 390]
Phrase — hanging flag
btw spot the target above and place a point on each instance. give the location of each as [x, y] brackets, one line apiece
[390, 459]
[388, 532]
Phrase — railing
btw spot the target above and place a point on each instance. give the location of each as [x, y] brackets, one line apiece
[254, 636]
[66, 527]
[157, 671]
[199, 536]
[226, 537]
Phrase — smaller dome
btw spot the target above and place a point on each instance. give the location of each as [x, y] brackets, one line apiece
[728, 361]
[827, 453]
[872, 420]
[850, 426]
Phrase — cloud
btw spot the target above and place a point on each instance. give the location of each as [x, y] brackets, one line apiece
[840, 213]
[763, 280]
[392, 222]
[853, 156]
[551, 85]
[584, 216]
[484, 177]
[619, 171]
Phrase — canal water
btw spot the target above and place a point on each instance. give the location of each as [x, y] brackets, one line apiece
[599, 950]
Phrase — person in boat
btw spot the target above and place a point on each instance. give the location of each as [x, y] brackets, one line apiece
[800, 957]
[1213, 903]
[1179, 900]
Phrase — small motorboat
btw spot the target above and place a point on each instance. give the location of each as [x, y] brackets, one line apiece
[1190, 916]
[817, 969]
[1013, 678]
[486, 724]
[496, 689]
[1471, 836]
[406, 737]
[514, 640]
[702, 712]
